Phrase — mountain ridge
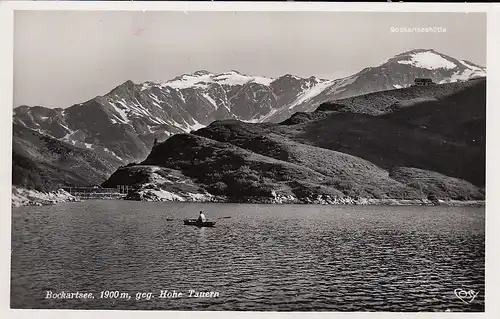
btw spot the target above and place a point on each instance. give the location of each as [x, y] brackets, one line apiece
[425, 150]
[137, 114]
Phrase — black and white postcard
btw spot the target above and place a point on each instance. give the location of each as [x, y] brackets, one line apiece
[181, 159]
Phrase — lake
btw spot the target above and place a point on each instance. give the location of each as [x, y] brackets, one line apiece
[262, 258]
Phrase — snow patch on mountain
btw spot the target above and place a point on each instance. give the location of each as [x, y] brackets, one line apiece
[294, 77]
[112, 153]
[183, 99]
[464, 76]
[189, 80]
[263, 80]
[69, 134]
[472, 67]
[203, 79]
[66, 128]
[309, 93]
[146, 86]
[156, 99]
[340, 86]
[121, 112]
[194, 127]
[428, 60]
[210, 99]
[231, 78]
[259, 119]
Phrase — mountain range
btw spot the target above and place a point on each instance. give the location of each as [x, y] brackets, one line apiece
[425, 147]
[121, 126]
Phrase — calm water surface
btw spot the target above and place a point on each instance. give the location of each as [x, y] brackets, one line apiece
[263, 258]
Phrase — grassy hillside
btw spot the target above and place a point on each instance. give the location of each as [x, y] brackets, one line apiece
[228, 170]
[342, 174]
[384, 102]
[446, 135]
[436, 185]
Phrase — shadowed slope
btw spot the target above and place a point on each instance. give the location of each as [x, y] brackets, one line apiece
[44, 163]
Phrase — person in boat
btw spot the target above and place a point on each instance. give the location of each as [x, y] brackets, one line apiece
[202, 217]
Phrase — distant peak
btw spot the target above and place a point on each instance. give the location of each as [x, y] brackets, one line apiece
[202, 72]
[199, 73]
[128, 84]
[288, 75]
[417, 51]
[235, 71]
[428, 59]
[22, 107]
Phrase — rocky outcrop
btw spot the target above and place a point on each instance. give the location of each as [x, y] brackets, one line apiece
[26, 197]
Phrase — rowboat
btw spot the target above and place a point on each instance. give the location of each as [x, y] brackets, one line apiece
[195, 222]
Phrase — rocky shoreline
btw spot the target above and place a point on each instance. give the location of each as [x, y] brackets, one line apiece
[149, 195]
[28, 197]
[25, 197]
[364, 202]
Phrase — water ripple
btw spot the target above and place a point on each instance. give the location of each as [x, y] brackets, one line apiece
[264, 258]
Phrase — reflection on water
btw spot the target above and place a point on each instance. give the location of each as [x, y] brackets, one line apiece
[265, 257]
[202, 237]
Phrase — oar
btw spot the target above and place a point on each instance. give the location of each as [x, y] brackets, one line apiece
[171, 219]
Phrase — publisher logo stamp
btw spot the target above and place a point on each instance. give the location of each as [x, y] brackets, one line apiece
[467, 296]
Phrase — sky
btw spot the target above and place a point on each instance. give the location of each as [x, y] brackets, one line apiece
[66, 57]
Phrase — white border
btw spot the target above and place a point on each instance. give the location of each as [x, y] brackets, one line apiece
[493, 142]
[246, 6]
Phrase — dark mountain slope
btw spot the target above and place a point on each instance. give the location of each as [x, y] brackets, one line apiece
[44, 163]
[461, 115]
[445, 134]
[341, 171]
[388, 144]
[384, 102]
[228, 170]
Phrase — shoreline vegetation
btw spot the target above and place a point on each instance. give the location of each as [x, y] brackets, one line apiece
[25, 197]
